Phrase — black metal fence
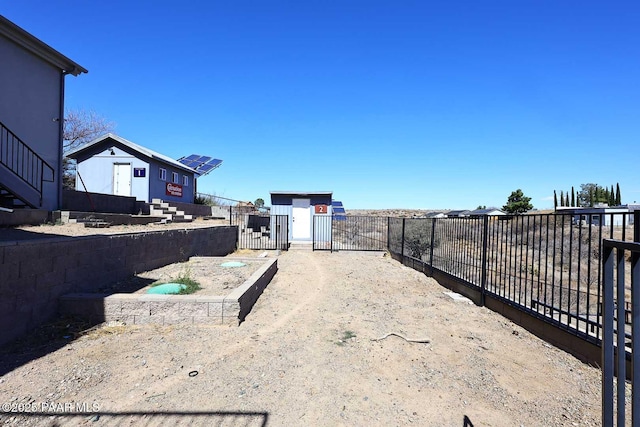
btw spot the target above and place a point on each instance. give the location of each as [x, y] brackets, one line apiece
[350, 233]
[559, 267]
[548, 265]
[619, 259]
[262, 232]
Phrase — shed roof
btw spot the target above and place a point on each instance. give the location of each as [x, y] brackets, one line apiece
[303, 193]
[135, 147]
[36, 46]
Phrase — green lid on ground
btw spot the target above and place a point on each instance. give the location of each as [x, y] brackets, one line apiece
[233, 264]
[166, 289]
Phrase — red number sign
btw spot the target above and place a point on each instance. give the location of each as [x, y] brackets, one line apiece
[321, 209]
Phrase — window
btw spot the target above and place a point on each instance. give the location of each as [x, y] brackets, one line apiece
[175, 178]
[163, 174]
[185, 180]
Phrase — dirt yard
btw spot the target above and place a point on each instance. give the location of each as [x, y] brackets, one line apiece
[311, 352]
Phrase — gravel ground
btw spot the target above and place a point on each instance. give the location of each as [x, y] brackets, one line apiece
[309, 353]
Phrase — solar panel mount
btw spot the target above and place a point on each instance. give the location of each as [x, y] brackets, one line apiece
[201, 164]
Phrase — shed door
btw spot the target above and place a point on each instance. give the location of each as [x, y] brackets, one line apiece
[301, 217]
[122, 179]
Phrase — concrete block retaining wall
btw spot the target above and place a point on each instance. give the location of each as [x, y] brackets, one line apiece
[34, 274]
[172, 309]
[97, 202]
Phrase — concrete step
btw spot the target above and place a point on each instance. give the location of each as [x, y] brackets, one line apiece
[159, 208]
[301, 246]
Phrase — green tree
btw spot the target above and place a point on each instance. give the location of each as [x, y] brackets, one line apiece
[555, 200]
[573, 197]
[482, 207]
[590, 194]
[566, 199]
[618, 197]
[561, 198]
[259, 203]
[612, 196]
[517, 203]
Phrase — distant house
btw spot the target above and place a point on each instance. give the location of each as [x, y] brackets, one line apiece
[32, 76]
[245, 207]
[113, 165]
[457, 214]
[604, 214]
[485, 212]
[435, 215]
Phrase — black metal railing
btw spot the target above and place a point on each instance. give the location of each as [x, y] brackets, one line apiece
[621, 294]
[548, 265]
[19, 158]
[350, 233]
[263, 232]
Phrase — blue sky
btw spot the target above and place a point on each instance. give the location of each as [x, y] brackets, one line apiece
[408, 104]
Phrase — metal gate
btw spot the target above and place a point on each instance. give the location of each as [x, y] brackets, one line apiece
[268, 232]
[350, 233]
[620, 335]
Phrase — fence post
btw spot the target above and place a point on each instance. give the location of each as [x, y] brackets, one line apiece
[607, 337]
[432, 245]
[230, 216]
[389, 233]
[331, 233]
[485, 241]
[402, 242]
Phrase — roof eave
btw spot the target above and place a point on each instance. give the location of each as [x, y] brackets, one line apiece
[132, 146]
[36, 46]
[303, 193]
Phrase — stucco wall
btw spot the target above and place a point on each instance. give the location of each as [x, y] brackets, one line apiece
[35, 273]
[30, 108]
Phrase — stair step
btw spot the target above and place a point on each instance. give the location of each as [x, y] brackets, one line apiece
[171, 213]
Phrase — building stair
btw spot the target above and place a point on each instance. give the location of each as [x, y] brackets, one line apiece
[22, 173]
[163, 209]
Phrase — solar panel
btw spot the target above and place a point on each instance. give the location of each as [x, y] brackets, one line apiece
[338, 211]
[189, 163]
[201, 164]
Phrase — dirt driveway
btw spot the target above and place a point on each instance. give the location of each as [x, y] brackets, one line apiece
[307, 355]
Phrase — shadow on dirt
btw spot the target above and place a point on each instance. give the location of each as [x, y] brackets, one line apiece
[41, 341]
[57, 416]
